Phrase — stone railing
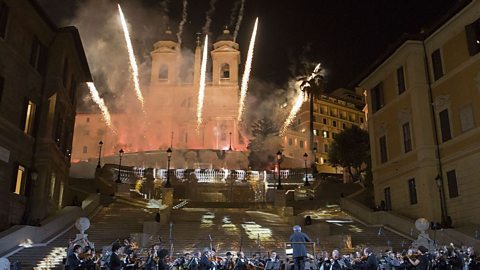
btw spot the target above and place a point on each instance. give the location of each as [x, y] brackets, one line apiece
[15, 238]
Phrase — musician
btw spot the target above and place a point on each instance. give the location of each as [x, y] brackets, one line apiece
[161, 261]
[421, 260]
[115, 262]
[89, 261]
[273, 263]
[472, 262]
[73, 259]
[256, 262]
[151, 262]
[299, 250]
[241, 262]
[205, 262]
[228, 263]
[337, 262]
[194, 261]
[371, 262]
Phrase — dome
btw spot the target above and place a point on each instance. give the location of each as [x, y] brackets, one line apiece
[168, 35]
[225, 35]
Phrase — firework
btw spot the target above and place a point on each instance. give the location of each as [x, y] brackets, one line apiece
[239, 21]
[182, 23]
[299, 99]
[208, 19]
[99, 101]
[203, 78]
[246, 73]
[131, 56]
[300, 84]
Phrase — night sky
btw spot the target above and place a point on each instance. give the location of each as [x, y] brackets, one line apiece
[346, 36]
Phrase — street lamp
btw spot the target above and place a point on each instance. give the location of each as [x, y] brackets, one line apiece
[120, 155]
[100, 144]
[305, 158]
[230, 147]
[169, 155]
[279, 157]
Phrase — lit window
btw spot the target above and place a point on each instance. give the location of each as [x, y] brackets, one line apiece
[29, 117]
[315, 132]
[325, 134]
[20, 180]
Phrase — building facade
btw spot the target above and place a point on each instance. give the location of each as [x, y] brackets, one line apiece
[171, 105]
[331, 114]
[41, 67]
[423, 119]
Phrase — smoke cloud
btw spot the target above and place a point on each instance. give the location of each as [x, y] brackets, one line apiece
[208, 18]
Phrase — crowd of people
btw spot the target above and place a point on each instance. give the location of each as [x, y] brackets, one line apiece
[127, 256]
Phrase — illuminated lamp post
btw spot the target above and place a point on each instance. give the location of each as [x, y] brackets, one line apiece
[230, 147]
[169, 155]
[120, 155]
[279, 157]
[305, 158]
[100, 144]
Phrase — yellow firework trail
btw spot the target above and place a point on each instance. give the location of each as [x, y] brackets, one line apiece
[203, 79]
[296, 107]
[246, 73]
[131, 57]
[99, 101]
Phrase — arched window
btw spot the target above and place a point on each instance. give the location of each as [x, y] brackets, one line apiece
[225, 71]
[163, 73]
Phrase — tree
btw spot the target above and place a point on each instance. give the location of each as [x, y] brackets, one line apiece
[350, 149]
[264, 144]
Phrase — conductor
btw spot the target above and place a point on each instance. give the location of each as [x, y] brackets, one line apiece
[299, 251]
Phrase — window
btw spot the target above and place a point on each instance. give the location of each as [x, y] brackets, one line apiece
[334, 135]
[388, 198]
[225, 71]
[377, 97]
[344, 126]
[334, 123]
[473, 37]
[38, 57]
[445, 125]
[163, 72]
[361, 120]
[437, 64]
[412, 190]
[466, 118]
[324, 121]
[88, 120]
[29, 117]
[302, 144]
[18, 186]
[325, 134]
[400, 80]
[452, 184]
[325, 148]
[4, 10]
[85, 149]
[290, 141]
[315, 132]
[407, 138]
[383, 149]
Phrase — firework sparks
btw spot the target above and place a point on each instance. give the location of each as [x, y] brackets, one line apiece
[131, 56]
[246, 73]
[208, 19]
[300, 85]
[239, 21]
[99, 101]
[203, 78]
[299, 99]
[182, 22]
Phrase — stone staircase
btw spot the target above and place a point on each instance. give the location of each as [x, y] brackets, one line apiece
[112, 222]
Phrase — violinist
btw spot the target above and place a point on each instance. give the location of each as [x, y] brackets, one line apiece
[74, 261]
[89, 261]
[420, 260]
[472, 261]
[256, 263]
[151, 262]
[228, 263]
[115, 262]
[371, 261]
[205, 262]
[241, 262]
[194, 262]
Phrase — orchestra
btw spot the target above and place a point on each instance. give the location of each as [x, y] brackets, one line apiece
[129, 257]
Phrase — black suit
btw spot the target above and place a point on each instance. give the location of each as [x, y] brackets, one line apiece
[74, 262]
[115, 262]
[372, 262]
[205, 263]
